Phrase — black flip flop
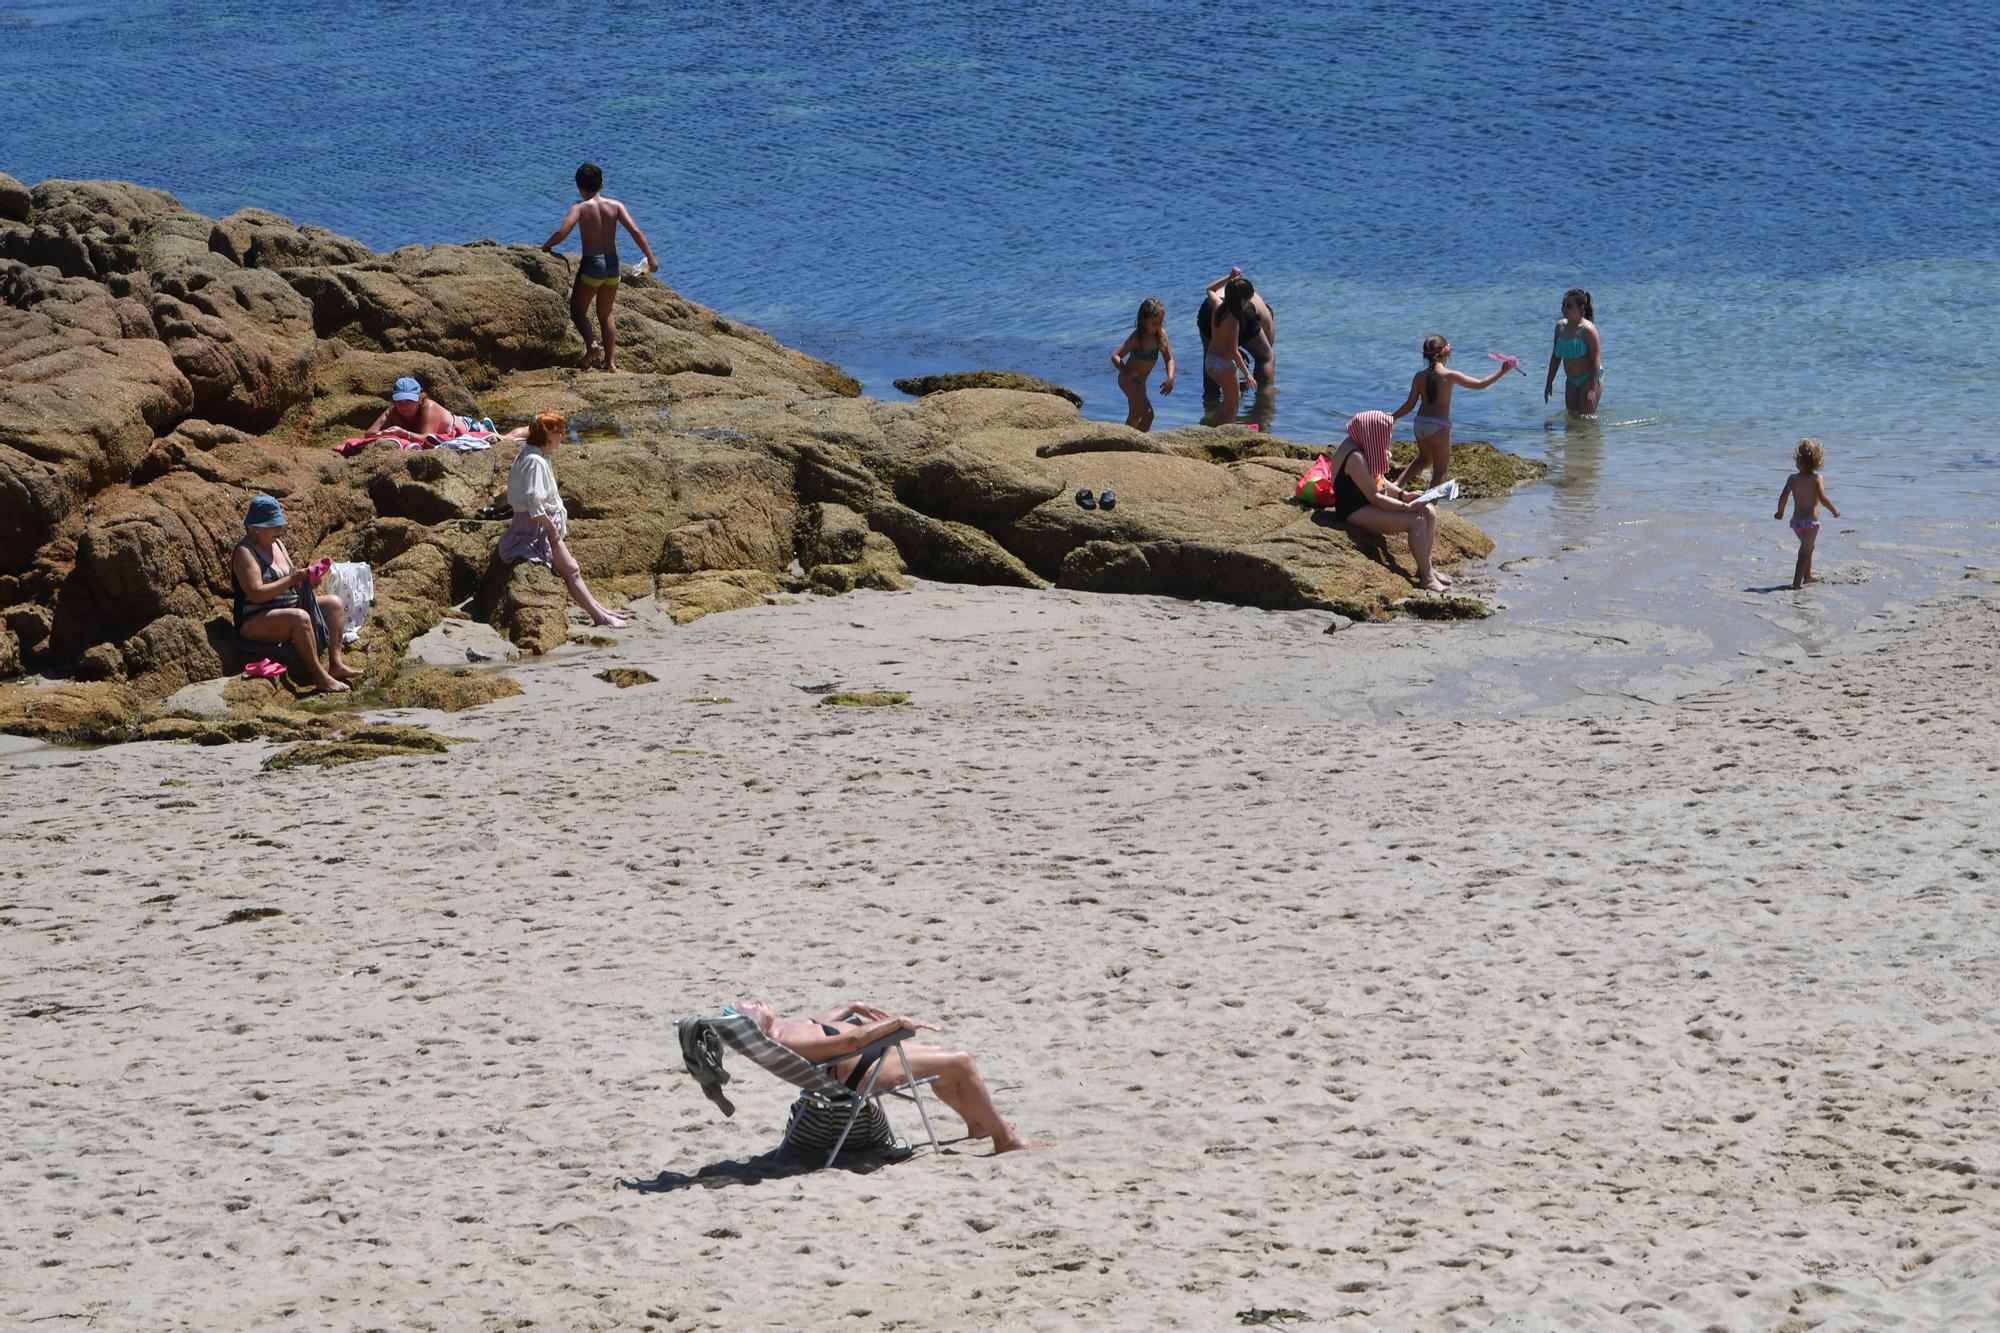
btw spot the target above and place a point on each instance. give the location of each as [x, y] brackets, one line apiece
[1085, 499]
[1107, 501]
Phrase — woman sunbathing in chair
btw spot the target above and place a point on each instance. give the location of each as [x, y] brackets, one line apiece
[959, 1085]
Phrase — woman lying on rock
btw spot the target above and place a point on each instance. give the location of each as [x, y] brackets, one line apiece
[275, 602]
[540, 522]
[412, 414]
[959, 1085]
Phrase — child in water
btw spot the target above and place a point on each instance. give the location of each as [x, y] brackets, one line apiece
[1430, 394]
[1134, 360]
[1806, 490]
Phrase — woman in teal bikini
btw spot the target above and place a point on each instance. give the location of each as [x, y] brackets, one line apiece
[1135, 358]
[1578, 353]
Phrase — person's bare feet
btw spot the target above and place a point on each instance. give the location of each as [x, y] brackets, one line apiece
[1432, 584]
[590, 355]
[612, 620]
[346, 672]
[332, 686]
[1442, 578]
[609, 368]
[1009, 1141]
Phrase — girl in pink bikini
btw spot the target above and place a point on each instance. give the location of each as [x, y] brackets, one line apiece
[1806, 490]
[1430, 395]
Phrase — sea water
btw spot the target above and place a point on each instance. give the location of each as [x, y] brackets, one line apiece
[1785, 214]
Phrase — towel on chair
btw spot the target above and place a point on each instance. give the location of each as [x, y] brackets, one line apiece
[701, 1052]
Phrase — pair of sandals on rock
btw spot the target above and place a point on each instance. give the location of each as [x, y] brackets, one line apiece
[1086, 500]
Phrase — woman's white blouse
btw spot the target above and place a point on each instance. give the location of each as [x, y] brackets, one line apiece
[531, 488]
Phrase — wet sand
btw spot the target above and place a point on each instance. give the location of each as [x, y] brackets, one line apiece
[1666, 1006]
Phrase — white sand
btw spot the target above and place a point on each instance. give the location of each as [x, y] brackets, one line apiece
[1661, 1015]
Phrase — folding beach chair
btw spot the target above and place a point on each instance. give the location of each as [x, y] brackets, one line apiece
[824, 1101]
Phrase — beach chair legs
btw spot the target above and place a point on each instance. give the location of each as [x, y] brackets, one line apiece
[867, 1094]
[916, 1095]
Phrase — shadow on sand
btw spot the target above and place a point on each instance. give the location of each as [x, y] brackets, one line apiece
[767, 1167]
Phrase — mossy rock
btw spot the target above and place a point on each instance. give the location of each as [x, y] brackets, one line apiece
[173, 728]
[866, 699]
[383, 741]
[829, 376]
[1357, 611]
[1482, 470]
[626, 677]
[689, 597]
[1445, 608]
[921, 386]
[447, 689]
[99, 712]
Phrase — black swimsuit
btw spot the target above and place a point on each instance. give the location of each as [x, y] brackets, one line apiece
[1348, 497]
[266, 562]
[861, 1067]
[300, 598]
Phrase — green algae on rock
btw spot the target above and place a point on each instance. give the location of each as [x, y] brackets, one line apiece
[866, 699]
[1445, 608]
[383, 741]
[626, 677]
[1482, 470]
[73, 713]
[447, 689]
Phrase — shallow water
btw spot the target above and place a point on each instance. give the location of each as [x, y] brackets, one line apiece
[1785, 221]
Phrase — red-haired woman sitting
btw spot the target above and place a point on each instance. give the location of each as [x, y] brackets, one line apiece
[540, 522]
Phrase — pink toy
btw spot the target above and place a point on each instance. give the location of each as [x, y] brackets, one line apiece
[1511, 362]
[1253, 425]
[264, 669]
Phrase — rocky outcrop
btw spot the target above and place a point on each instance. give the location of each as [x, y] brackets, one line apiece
[921, 386]
[158, 368]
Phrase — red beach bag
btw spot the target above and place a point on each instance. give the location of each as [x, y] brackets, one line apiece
[1316, 486]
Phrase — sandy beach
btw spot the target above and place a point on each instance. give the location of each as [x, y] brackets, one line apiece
[1623, 1014]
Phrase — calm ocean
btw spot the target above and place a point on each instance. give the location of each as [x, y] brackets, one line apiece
[1785, 214]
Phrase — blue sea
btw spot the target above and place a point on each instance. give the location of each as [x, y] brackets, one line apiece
[1785, 214]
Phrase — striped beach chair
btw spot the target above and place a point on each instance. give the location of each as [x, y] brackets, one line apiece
[827, 1112]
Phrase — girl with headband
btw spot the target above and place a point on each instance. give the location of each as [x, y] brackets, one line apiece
[1430, 394]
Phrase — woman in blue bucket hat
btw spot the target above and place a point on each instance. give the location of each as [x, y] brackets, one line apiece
[275, 603]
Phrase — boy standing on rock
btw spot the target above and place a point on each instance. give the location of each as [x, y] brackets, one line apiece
[597, 275]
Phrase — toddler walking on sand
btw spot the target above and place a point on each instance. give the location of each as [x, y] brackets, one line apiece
[1806, 490]
[1135, 358]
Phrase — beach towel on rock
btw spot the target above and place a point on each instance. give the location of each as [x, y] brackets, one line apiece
[466, 434]
[1316, 486]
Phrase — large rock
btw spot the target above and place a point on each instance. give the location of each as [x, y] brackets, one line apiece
[87, 229]
[158, 368]
[254, 238]
[243, 338]
[82, 396]
[79, 712]
[16, 204]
